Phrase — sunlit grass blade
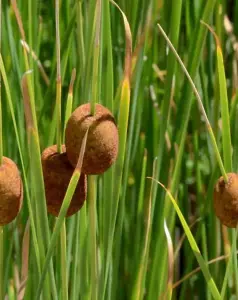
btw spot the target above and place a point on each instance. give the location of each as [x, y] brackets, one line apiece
[229, 267]
[1, 154]
[25, 261]
[171, 68]
[226, 132]
[169, 291]
[69, 102]
[63, 252]
[60, 220]
[32, 222]
[210, 282]
[37, 178]
[122, 127]
[1, 264]
[209, 128]
[35, 158]
[93, 238]
[36, 59]
[138, 289]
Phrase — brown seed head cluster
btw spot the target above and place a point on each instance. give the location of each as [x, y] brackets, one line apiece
[226, 200]
[102, 142]
[57, 172]
[11, 191]
[100, 153]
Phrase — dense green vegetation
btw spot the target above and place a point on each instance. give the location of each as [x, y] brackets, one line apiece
[131, 239]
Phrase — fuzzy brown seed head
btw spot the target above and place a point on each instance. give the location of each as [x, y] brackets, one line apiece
[226, 200]
[57, 172]
[11, 191]
[102, 142]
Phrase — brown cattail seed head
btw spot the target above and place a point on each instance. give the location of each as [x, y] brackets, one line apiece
[226, 200]
[57, 172]
[11, 191]
[102, 142]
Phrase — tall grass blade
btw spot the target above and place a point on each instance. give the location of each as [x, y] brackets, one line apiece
[203, 265]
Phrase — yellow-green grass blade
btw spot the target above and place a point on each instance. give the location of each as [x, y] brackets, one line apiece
[63, 210]
[226, 132]
[122, 128]
[171, 71]
[182, 119]
[136, 110]
[107, 99]
[139, 285]
[32, 222]
[37, 182]
[226, 137]
[35, 166]
[92, 181]
[169, 291]
[63, 253]
[202, 263]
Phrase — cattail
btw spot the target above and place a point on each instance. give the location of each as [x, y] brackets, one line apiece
[11, 191]
[57, 172]
[102, 142]
[226, 200]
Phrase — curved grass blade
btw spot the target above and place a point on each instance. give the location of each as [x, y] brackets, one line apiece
[226, 138]
[137, 292]
[122, 126]
[226, 131]
[202, 263]
[170, 261]
[35, 159]
[60, 220]
[32, 222]
[209, 128]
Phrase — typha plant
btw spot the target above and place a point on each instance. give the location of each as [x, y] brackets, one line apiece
[170, 236]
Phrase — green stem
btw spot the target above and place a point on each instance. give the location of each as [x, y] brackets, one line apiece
[63, 252]
[60, 220]
[64, 262]
[58, 78]
[96, 57]
[1, 264]
[75, 278]
[58, 112]
[1, 145]
[228, 270]
[234, 236]
[92, 222]
[219, 160]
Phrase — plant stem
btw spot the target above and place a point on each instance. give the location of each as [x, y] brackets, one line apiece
[63, 262]
[96, 57]
[58, 77]
[218, 156]
[63, 251]
[1, 264]
[233, 253]
[1, 144]
[92, 225]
